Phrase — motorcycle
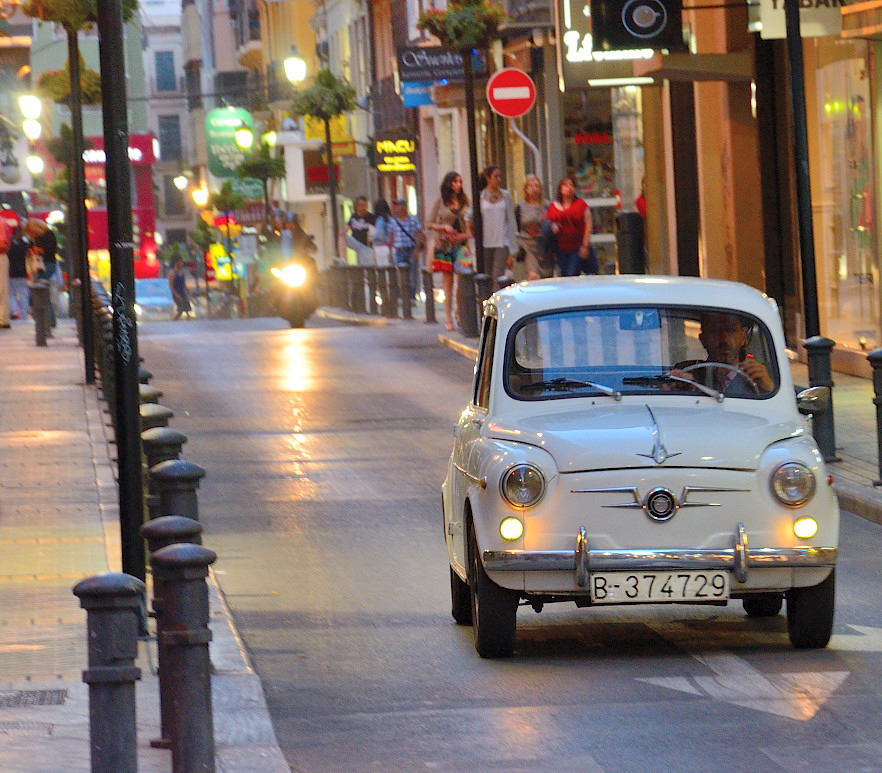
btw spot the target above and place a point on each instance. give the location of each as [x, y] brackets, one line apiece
[294, 294]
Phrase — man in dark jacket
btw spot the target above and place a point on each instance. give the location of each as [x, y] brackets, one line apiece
[19, 293]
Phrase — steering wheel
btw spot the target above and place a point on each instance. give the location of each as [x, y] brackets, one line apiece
[726, 366]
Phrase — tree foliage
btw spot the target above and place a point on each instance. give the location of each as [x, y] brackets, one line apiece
[328, 97]
[55, 85]
[73, 15]
[465, 24]
[226, 199]
[61, 147]
[262, 166]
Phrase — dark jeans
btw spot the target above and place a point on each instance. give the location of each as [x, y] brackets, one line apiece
[405, 257]
[571, 264]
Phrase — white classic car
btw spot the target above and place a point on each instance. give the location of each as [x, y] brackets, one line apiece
[637, 440]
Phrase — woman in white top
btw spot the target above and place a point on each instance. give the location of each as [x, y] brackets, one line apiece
[498, 226]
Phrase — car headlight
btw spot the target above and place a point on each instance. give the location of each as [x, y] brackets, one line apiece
[511, 528]
[292, 275]
[522, 485]
[793, 484]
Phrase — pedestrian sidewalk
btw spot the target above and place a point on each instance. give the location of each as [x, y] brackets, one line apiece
[59, 523]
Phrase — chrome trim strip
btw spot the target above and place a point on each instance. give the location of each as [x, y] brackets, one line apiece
[638, 560]
[482, 482]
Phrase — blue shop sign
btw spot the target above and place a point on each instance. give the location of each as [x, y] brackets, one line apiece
[416, 93]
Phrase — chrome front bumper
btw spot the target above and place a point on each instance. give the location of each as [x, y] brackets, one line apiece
[739, 558]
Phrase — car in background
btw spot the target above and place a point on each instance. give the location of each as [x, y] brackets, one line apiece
[637, 440]
[153, 299]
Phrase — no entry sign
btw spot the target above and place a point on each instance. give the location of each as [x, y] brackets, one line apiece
[511, 92]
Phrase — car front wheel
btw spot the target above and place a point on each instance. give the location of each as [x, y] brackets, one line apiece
[810, 614]
[494, 609]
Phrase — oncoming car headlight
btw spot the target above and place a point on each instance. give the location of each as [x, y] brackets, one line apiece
[793, 484]
[292, 275]
[522, 485]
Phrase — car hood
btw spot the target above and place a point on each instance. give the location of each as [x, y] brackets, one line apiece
[635, 435]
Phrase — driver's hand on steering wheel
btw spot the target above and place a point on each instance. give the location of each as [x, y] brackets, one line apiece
[758, 372]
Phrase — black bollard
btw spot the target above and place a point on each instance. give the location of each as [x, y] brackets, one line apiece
[372, 289]
[176, 482]
[390, 310]
[182, 570]
[383, 291]
[467, 304]
[404, 291]
[875, 358]
[358, 285]
[429, 290]
[148, 394]
[160, 444]
[112, 602]
[40, 309]
[160, 533]
[153, 415]
[144, 375]
[819, 373]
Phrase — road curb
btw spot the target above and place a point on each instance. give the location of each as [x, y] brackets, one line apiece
[351, 318]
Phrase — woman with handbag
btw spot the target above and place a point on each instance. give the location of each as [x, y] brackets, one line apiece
[570, 219]
[499, 229]
[449, 221]
[532, 262]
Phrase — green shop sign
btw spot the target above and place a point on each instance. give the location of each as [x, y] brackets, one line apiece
[224, 155]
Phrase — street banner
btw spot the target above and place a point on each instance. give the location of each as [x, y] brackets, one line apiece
[434, 63]
[416, 93]
[817, 18]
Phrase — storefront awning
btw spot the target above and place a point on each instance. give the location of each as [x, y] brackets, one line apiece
[697, 67]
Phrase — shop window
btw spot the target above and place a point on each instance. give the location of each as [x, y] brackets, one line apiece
[844, 199]
[173, 198]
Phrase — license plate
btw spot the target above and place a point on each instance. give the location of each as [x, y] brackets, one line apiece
[651, 587]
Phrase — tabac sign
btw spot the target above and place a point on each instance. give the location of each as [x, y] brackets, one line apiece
[395, 156]
[817, 18]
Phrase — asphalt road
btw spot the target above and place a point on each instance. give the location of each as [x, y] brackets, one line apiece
[325, 449]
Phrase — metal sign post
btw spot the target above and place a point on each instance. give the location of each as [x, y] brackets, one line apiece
[122, 281]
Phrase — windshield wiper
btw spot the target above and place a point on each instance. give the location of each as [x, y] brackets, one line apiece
[564, 384]
[667, 378]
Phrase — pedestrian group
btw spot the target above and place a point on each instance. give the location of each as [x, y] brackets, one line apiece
[533, 239]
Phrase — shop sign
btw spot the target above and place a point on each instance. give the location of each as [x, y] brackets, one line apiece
[592, 138]
[579, 59]
[224, 155]
[315, 172]
[817, 18]
[249, 187]
[395, 156]
[434, 63]
[622, 26]
[416, 93]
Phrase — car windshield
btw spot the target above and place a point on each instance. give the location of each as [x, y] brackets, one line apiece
[614, 352]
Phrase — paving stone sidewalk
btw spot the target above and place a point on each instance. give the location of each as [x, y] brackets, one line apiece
[59, 523]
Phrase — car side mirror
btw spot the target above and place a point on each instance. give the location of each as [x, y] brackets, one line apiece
[813, 401]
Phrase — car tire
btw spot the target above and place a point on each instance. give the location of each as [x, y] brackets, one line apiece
[763, 604]
[810, 614]
[494, 609]
[461, 600]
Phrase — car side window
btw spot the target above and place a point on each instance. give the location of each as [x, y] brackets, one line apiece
[484, 368]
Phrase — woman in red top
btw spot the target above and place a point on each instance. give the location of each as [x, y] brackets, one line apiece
[570, 220]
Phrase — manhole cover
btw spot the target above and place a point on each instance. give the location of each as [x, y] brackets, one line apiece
[26, 728]
[23, 699]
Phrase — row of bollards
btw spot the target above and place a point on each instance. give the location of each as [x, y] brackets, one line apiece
[114, 603]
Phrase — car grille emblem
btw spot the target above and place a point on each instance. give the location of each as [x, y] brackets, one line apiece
[660, 504]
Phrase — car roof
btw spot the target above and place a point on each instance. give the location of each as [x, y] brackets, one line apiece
[525, 298]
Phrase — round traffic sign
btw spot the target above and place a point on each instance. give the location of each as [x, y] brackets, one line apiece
[511, 92]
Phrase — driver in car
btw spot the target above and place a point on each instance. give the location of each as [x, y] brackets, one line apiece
[724, 337]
